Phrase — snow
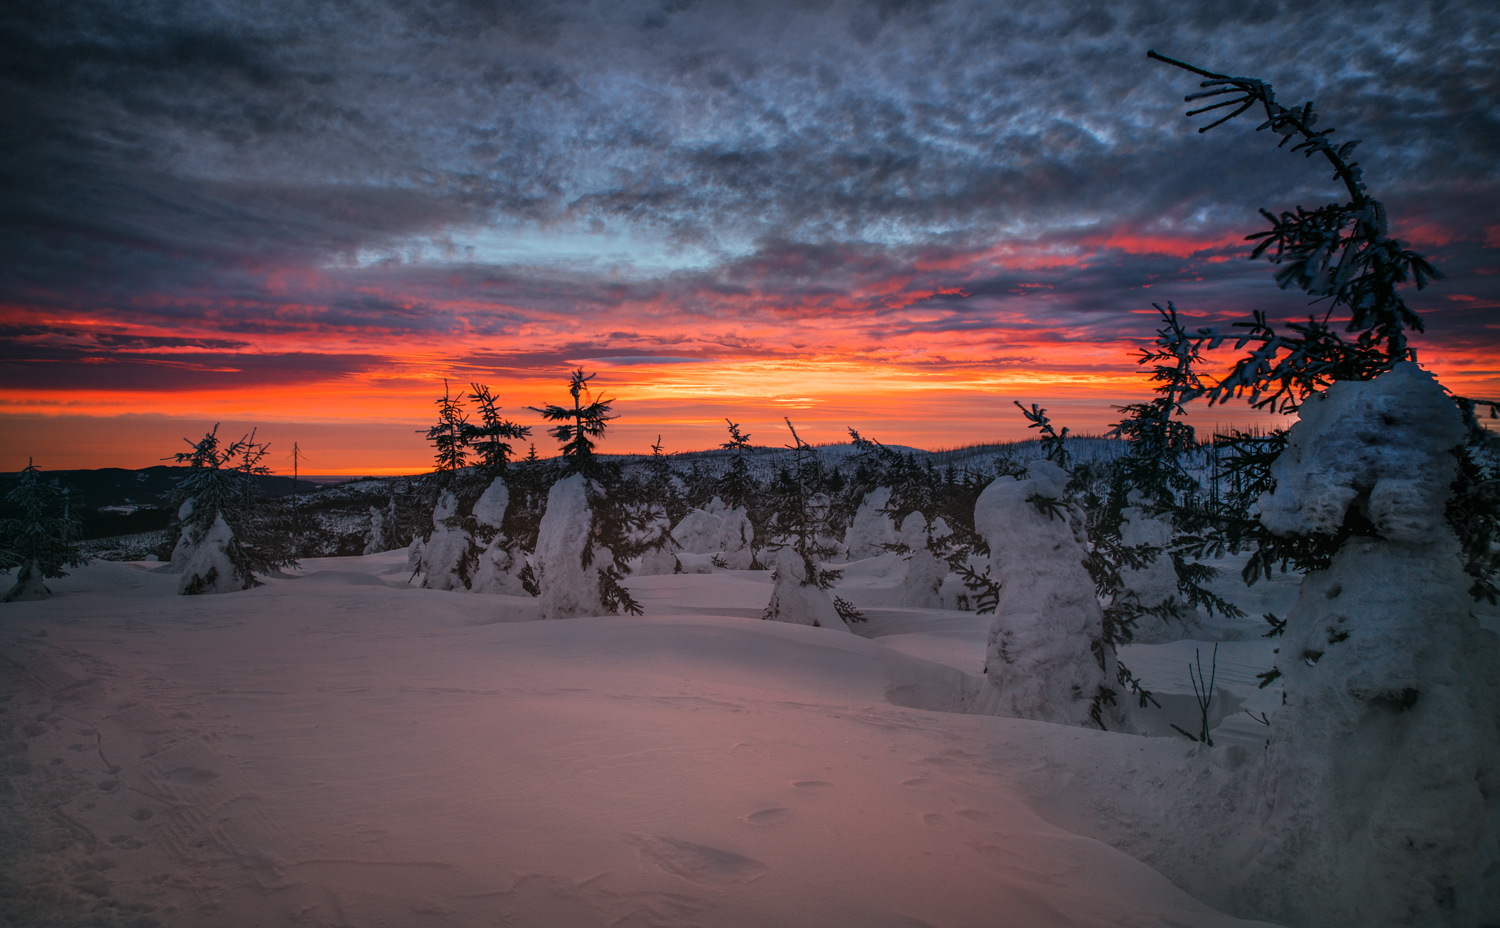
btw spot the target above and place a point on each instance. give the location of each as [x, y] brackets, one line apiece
[498, 568]
[490, 508]
[338, 748]
[1038, 658]
[717, 530]
[569, 589]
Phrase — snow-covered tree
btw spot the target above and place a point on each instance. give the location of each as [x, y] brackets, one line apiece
[226, 535]
[1382, 782]
[41, 541]
[1046, 656]
[659, 505]
[1379, 791]
[871, 531]
[494, 561]
[590, 527]
[800, 515]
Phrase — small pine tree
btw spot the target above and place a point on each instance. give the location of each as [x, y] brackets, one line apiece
[489, 438]
[219, 489]
[801, 511]
[737, 487]
[40, 542]
[581, 425]
[449, 437]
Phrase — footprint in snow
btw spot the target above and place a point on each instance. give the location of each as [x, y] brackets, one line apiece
[191, 776]
[697, 862]
[768, 816]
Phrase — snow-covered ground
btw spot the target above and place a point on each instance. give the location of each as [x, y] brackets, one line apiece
[338, 748]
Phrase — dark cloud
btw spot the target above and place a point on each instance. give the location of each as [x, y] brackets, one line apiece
[63, 369]
[260, 170]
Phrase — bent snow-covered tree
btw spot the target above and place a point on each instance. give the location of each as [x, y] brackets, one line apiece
[41, 541]
[226, 536]
[1380, 791]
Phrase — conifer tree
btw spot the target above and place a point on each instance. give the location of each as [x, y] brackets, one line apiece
[1339, 253]
[800, 512]
[449, 437]
[227, 536]
[488, 439]
[40, 542]
[737, 487]
[1386, 672]
[615, 521]
[581, 425]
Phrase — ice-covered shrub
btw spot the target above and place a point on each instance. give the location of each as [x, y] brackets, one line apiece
[796, 598]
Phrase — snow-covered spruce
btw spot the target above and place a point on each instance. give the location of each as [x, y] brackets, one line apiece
[1164, 616]
[718, 531]
[447, 557]
[660, 558]
[871, 528]
[381, 535]
[796, 598]
[925, 573]
[39, 543]
[1043, 655]
[226, 536]
[205, 558]
[569, 587]
[1382, 778]
[498, 569]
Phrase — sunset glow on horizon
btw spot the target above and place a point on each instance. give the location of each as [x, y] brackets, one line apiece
[960, 206]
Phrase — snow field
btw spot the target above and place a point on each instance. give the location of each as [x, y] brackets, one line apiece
[341, 749]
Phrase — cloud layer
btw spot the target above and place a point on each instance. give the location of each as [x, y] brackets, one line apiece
[209, 203]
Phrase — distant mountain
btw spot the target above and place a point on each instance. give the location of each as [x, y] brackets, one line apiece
[114, 501]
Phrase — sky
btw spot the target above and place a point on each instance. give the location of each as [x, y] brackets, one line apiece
[900, 217]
